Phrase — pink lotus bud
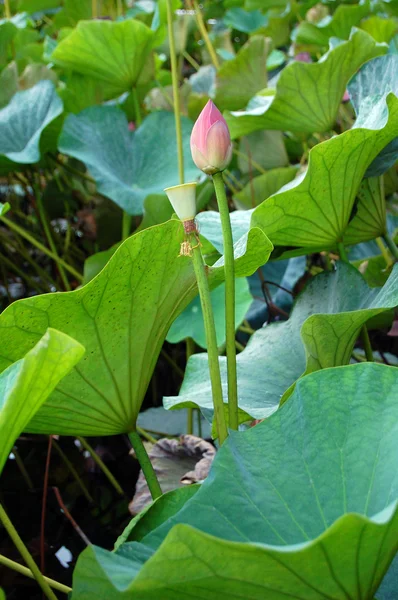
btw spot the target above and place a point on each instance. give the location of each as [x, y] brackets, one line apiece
[211, 145]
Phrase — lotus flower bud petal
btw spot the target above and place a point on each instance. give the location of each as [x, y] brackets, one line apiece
[183, 200]
[211, 145]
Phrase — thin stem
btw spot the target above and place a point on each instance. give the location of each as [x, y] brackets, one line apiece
[239, 346]
[176, 92]
[73, 471]
[172, 363]
[199, 417]
[26, 235]
[191, 60]
[146, 465]
[72, 521]
[23, 469]
[229, 269]
[342, 252]
[47, 232]
[391, 246]
[255, 164]
[126, 225]
[384, 252]
[33, 284]
[211, 339]
[366, 343]
[11, 564]
[203, 31]
[44, 505]
[146, 435]
[137, 108]
[190, 349]
[97, 459]
[66, 166]
[7, 9]
[94, 9]
[24, 552]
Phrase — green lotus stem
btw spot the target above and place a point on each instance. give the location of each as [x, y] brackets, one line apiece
[47, 232]
[98, 460]
[126, 225]
[211, 339]
[342, 252]
[7, 9]
[229, 268]
[176, 92]
[203, 31]
[366, 343]
[190, 349]
[384, 252]
[191, 60]
[143, 433]
[11, 564]
[23, 233]
[24, 552]
[137, 109]
[146, 465]
[391, 246]
[73, 471]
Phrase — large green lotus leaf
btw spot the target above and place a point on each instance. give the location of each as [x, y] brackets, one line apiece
[190, 322]
[320, 333]
[241, 78]
[367, 89]
[380, 28]
[251, 148]
[121, 317]
[304, 506]
[127, 166]
[242, 20]
[307, 95]
[313, 211]
[263, 186]
[113, 52]
[71, 13]
[8, 31]
[27, 383]
[22, 121]
[369, 221]
[339, 25]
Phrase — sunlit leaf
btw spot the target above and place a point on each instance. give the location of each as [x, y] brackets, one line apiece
[27, 383]
[307, 95]
[122, 318]
[369, 221]
[243, 76]
[339, 25]
[113, 52]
